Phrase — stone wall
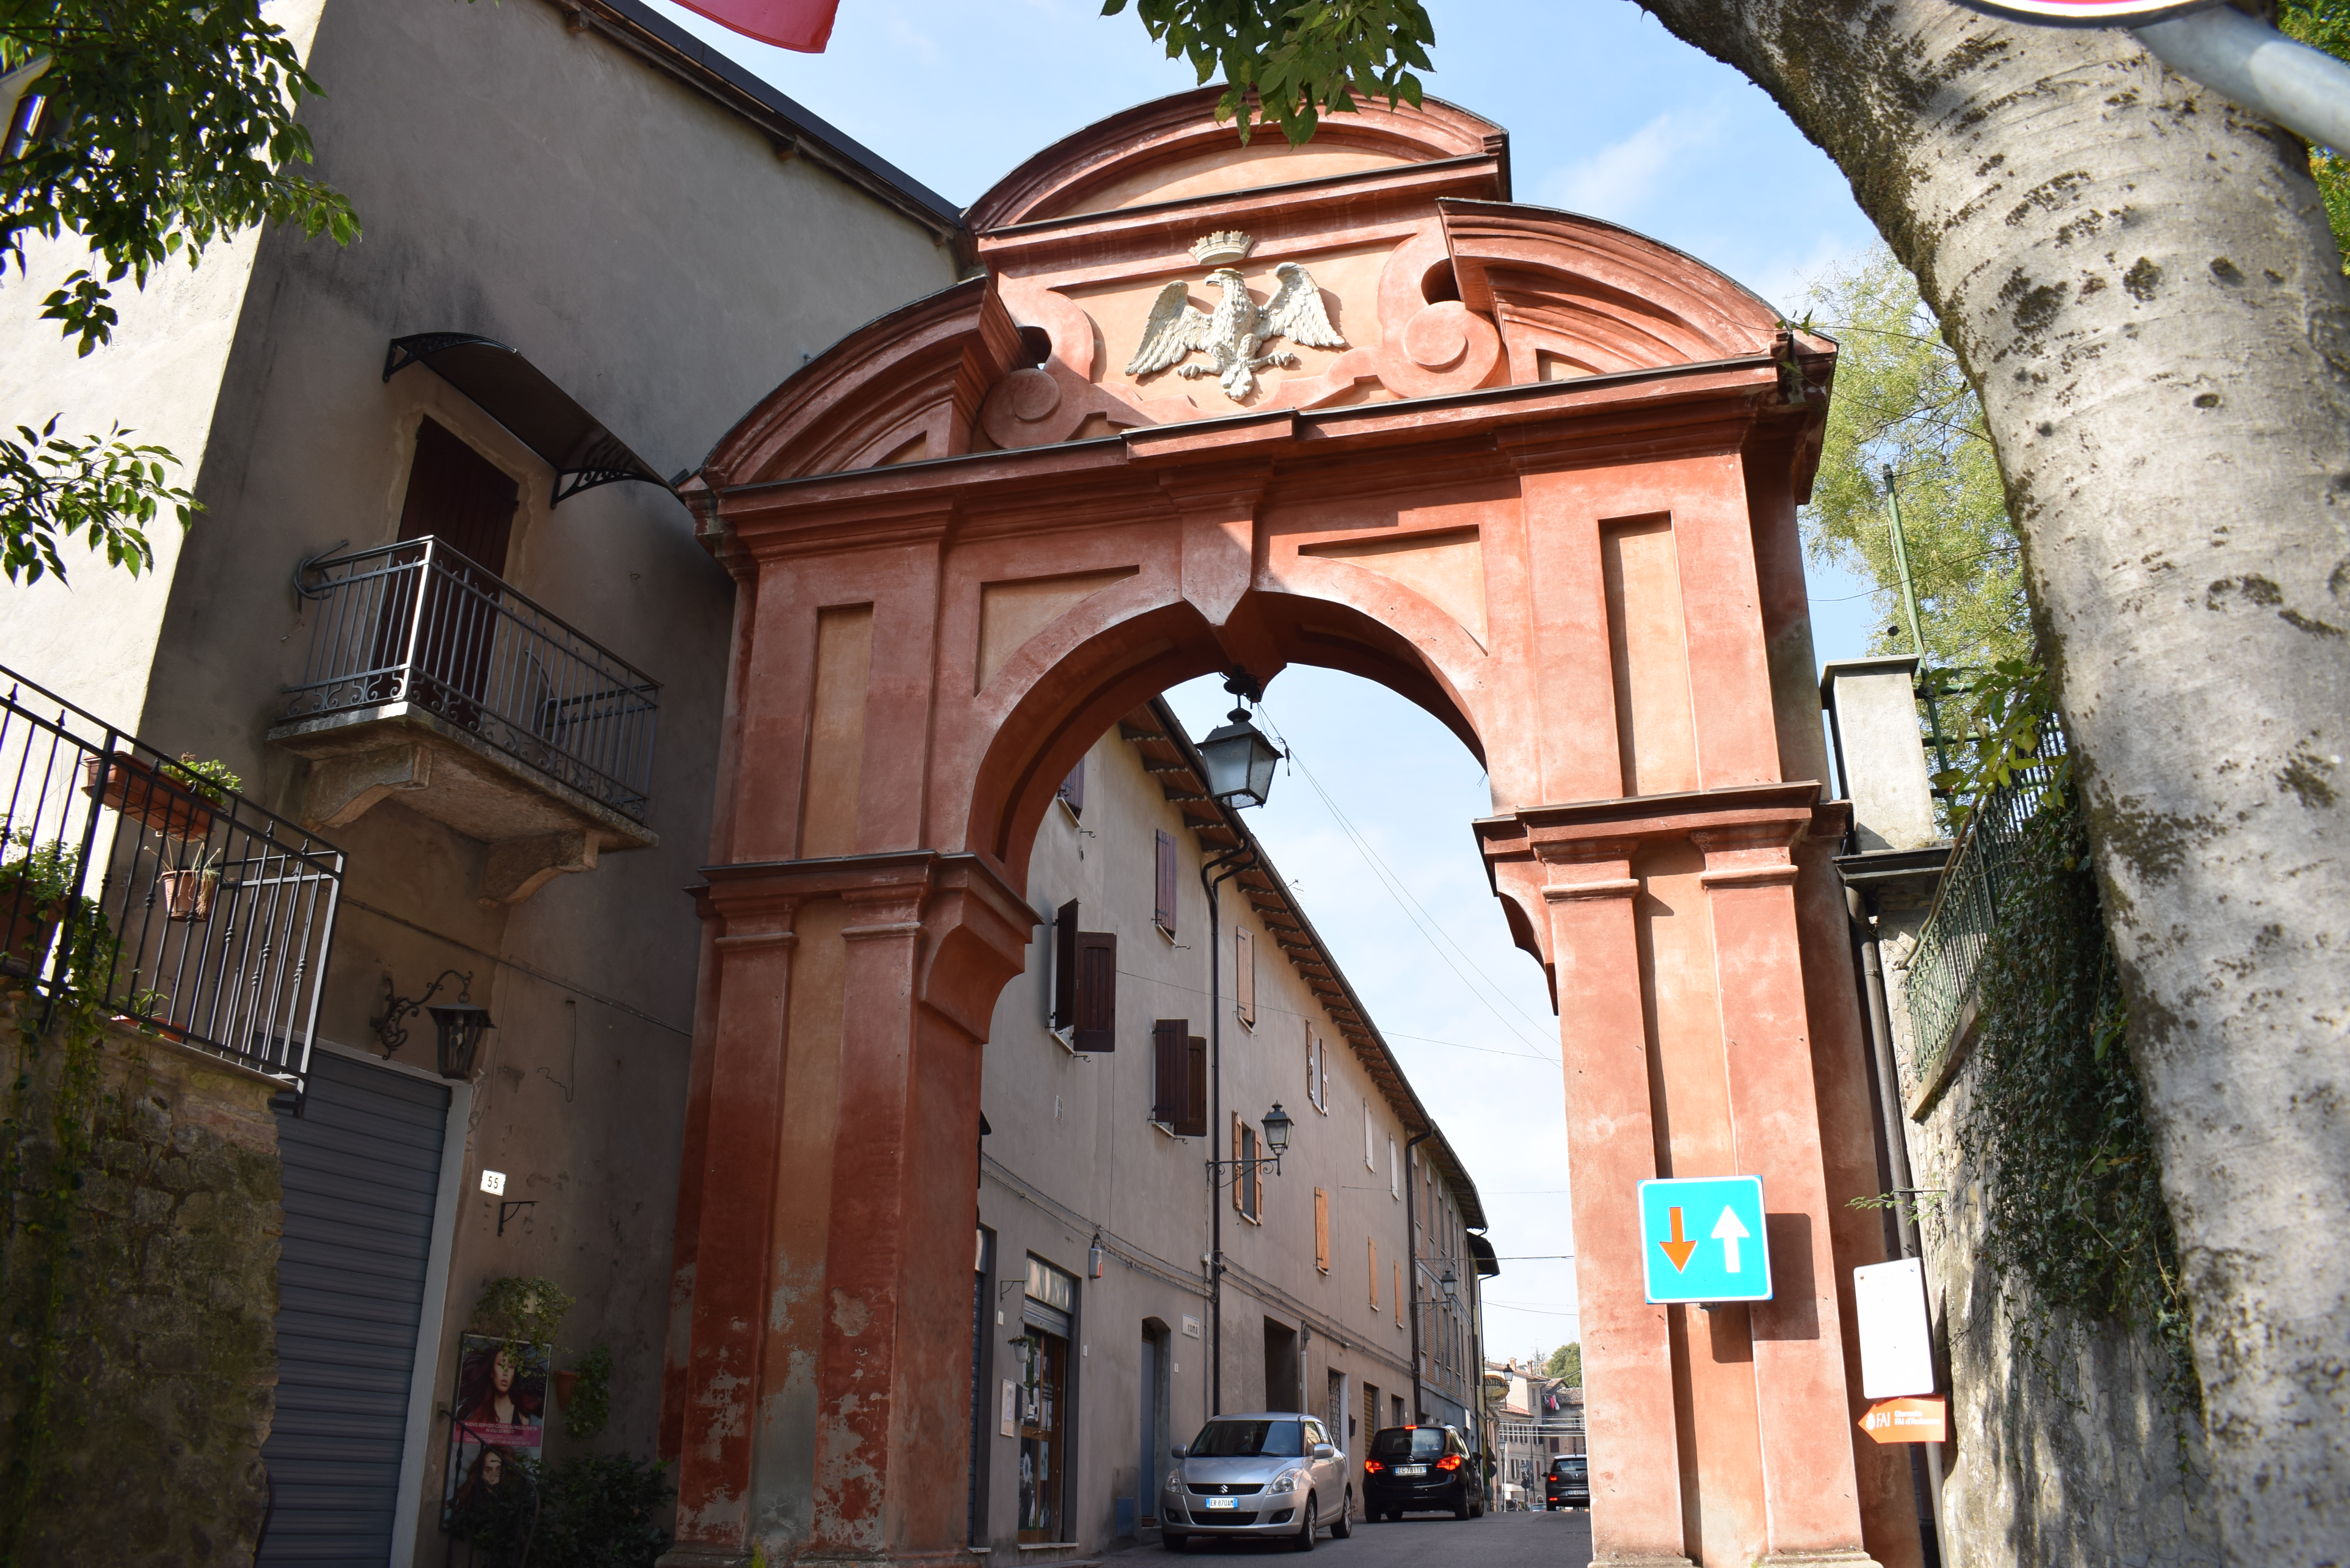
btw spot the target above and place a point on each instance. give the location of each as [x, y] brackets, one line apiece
[2072, 1456]
[163, 1354]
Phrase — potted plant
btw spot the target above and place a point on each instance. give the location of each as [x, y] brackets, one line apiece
[585, 1393]
[521, 1312]
[188, 890]
[169, 797]
[37, 892]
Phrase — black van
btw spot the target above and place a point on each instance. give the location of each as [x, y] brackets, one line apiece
[1418, 1469]
[1569, 1484]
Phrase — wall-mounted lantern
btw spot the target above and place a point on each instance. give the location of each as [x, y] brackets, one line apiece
[1238, 757]
[457, 1026]
[1276, 1130]
[1452, 1283]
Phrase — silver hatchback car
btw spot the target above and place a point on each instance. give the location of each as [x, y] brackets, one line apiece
[1260, 1473]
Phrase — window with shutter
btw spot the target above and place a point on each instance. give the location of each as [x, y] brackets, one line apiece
[1164, 902]
[1399, 1294]
[1252, 1179]
[1244, 976]
[1322, 1060]
[1096, 1009]
[1065, 966]
[1373, 1245]
[1239, 1186]
[1322, 1230]
[1171, 1070]
[1195, 1104]
[1072, 793]
[1370, 1148]
[1395, 1172]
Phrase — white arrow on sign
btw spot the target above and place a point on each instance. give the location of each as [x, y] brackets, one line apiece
[1730, 1230]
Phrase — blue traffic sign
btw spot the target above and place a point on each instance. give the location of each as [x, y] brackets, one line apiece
[1701, 1239]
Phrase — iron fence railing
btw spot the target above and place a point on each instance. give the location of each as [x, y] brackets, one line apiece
[129, 878]
[1947, 964]
[416, 622]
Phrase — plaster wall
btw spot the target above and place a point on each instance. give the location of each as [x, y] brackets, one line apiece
[650, 253]
[93, 638]
[1072, 1147]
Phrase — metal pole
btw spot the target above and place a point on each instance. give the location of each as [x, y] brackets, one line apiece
[1224, 868]
[1916, 632]
[2305, 90]
[1897, 1147]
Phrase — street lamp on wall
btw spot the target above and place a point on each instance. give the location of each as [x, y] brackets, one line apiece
[1238, 757]
[1452, 1283]
[458, 1028]
[1277, 1131]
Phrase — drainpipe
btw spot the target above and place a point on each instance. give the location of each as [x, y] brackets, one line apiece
[1213, 874]
[1411, 1275]
[1896, 1138]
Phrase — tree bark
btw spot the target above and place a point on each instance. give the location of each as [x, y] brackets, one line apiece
[2138, 277]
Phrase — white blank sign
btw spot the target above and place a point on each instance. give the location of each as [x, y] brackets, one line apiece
[1896, 1346]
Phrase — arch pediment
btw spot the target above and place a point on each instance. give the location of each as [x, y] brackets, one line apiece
[903, 388]
[1594, 295]
[1173, 148]
[1430, 284]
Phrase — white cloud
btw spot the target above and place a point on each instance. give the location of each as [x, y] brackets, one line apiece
[1646, 167]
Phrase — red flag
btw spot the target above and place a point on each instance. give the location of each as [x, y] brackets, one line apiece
[802, 24]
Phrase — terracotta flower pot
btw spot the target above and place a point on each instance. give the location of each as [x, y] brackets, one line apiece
[145, 794]
[188, 894]
[564, 1382]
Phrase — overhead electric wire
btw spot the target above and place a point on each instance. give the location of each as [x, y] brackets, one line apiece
[1413, 910]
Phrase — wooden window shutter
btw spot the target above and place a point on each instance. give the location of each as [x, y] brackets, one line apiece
[1244, 976]
[1399, 1294]
[1312, 1045]
[1252, 1151]
[1073, 788]
[1240, 1182]
[1164, 902]
[1195, 1096]
[1322, 1230]
[1171, 1074]
[1322, 1063]
[1097, 1015]
[1372, 1243]
[1065, 966]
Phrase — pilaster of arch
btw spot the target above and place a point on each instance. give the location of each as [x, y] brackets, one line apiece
[1680, 968]
[834, 688]
[820, 1401]
[1801, 1397]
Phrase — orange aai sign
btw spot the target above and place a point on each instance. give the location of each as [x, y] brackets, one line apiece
[1910, 1419]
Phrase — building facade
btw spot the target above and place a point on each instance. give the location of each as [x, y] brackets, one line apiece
[1141, 1262]
[443, 609]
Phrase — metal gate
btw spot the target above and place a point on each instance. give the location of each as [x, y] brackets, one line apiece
[362, 1166]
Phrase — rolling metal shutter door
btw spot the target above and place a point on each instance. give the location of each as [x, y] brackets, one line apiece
[362, 1165]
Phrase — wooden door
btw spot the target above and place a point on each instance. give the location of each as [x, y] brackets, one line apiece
[457, 496]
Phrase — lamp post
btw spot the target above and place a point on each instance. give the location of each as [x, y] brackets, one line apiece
[1239, 760]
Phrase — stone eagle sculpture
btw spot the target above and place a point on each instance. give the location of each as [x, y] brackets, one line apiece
[1231, 334]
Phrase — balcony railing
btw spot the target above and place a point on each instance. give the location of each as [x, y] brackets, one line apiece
[130, 880]
[416, 623]
[1947, 964]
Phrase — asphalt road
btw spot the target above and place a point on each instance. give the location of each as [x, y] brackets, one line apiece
[1496, 1540]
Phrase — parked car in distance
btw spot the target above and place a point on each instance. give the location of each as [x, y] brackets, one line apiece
[1569, 1484]
[1419, 1469]
[1264, 1473]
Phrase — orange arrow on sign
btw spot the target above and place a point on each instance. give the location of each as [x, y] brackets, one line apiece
[1907, 1420]
[1678, 1250]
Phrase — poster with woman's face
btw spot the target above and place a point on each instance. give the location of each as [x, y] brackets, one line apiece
[498, 1417]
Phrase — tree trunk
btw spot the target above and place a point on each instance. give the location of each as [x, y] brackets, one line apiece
[2139, 278]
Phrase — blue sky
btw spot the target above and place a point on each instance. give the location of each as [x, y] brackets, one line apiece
[1609, 115]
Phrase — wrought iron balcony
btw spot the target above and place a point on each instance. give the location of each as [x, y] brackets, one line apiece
[432, 679]
[1947, 964]
[136, 881]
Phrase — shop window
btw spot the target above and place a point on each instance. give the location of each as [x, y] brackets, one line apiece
[1046, 1400]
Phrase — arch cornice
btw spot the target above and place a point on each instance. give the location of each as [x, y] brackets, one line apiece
[1056, 182]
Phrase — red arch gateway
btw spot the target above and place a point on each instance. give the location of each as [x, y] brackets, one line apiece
[1534, 472]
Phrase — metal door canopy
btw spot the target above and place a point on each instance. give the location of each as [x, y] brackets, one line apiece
[1701, 1239]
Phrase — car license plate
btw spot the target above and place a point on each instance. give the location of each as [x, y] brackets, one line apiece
[1216, 1502]
[1411, 1469]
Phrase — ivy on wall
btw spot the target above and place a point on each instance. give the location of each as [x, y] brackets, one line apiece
[2056, 1126]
